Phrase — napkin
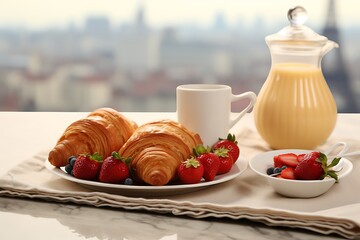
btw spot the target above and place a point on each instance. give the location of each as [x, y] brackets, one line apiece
[245, 197]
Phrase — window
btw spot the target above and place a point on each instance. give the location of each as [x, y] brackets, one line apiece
[129, 55]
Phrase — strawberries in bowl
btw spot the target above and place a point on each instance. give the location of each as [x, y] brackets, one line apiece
[311, 166]
[300, 173]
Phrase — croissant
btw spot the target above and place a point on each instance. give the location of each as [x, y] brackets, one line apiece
[156, 150]
[104, 130]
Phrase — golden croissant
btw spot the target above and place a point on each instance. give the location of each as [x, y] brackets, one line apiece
[104, 130]
[156, 149]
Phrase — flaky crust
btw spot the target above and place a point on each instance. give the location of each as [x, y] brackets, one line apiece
[104, 130]
[157, 148]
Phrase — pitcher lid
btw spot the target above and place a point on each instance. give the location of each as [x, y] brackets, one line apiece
[297, 32]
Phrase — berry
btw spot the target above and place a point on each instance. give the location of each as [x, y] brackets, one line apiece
[129, 181]
[270, 171]
[87, 166]
[226, 160]
[287, 159]
[71, 160]
[300, 157]
[209, 160]
[314, 167]
[288, 173]
[190, 171]
[277, 161]
[277, 170]
[114, 169]
[229, 143]
[68, 168]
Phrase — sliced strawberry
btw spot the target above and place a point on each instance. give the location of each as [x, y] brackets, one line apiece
[288, 159]
[288, 173]
[277, 162]
[300, 157]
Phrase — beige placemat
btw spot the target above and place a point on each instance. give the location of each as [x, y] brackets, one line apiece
[246, 197]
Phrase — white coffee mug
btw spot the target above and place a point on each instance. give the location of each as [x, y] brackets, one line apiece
[206, 109]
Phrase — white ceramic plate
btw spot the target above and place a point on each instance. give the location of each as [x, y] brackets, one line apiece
[147, 191]
[296, 188]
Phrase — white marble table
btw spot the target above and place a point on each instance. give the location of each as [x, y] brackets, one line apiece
[23, 134]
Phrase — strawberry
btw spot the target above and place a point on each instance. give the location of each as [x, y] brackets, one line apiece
[229, 143]
[288, 173]
[287, 159]
[209, 160]
[190, 171]
[114, 169]
[226, 160]
[300, 157]
[87, 166]
[314, 166]
[277, 162]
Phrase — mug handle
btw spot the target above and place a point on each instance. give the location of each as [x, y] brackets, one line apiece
[251, 96]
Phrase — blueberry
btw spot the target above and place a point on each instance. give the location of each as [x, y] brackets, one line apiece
[283, 167]
[71, 160]
[277, 170]
[270, 171]
[68, 168]
[128, 181]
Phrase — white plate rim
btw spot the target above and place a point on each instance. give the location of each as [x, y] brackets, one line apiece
[239, 167]
[270, 154]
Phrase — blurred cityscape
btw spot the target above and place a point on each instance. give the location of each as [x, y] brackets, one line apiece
[136, 67]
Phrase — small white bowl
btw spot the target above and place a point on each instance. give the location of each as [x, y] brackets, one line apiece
[296, 188]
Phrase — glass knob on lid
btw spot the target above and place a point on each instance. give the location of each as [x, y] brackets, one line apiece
[297, 42]
[296, 31]
[297, 16]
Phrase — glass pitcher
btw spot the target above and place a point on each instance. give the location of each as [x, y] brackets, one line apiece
[295, 108]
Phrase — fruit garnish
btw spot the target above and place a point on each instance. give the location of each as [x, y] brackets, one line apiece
[129, 181]
[287, 159]
[190, 171]
[315, 166]
[288, 173]
[114, 169]
[229, 143]
[226, 160]
[300, 157]
[69, 167]
[87, 166]
[311, 166]
[209, 160]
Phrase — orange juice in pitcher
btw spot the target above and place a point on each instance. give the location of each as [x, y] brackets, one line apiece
[295, 107]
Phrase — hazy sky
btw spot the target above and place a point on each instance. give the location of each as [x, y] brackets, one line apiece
[44, 13]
